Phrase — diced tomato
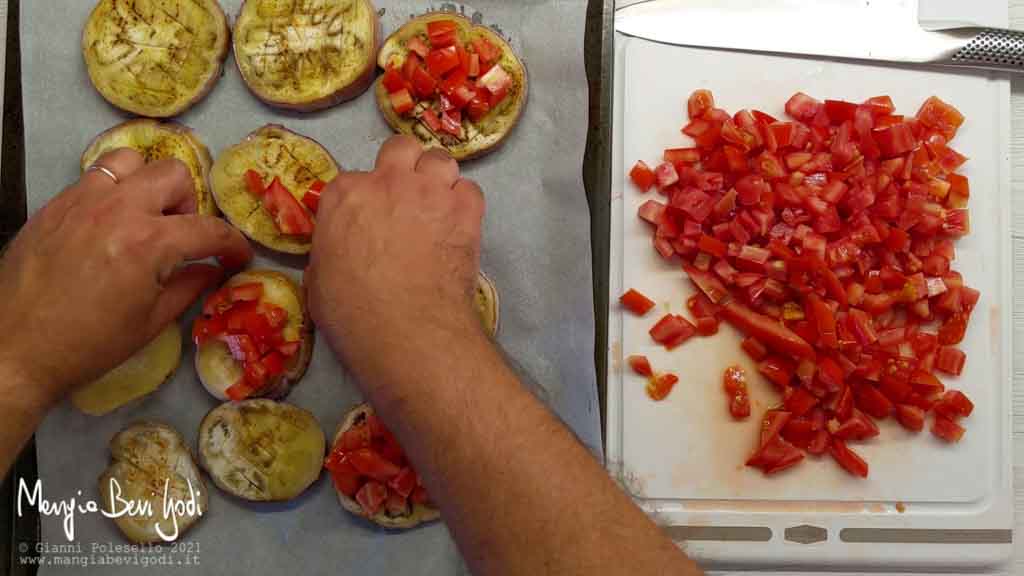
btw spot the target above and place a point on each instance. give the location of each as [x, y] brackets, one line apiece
[712, 246]
[947, 429]
[773, 334]
[872, 401]
[775, 456]
[659, 387]
[393, 80]
[754, 348]
[848, 459]
[711, 286]
[442, 60]
[488, 52]
[441, 33]
[950, 360]
[666, 175]
[641, 365]
[880, 105]
[498, 82]
[672, 330]
[700, 102]
[735, 383]
[242, 390]
[478, 108]
[800, 402]
[290, 216]
[423, 83]
[311, 199]
[739, 406]
[418, 46]
[734, 379]
[935, 113]
[404, 483]
[839, 111]
[778, 371]
[371, 497]
[910, 417]
[636, 302]
[254, 183]
[371, 464]
[402, 102]
[451, 122]
[642, 176]
[825, 320]
[857, 427]
[802, 107]
[954, 404]
[827, 241]
[707, 326]
[345, 477]
[894, 140]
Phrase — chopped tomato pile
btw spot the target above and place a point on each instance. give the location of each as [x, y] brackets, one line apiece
[450, 78]
[253, 332]
[368, 465]
[289, 215]
[826, 239]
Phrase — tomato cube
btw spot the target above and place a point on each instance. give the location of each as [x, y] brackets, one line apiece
[641, 365]
[402, 102]
[636, 302]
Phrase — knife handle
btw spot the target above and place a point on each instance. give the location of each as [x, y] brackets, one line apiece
[991, 48]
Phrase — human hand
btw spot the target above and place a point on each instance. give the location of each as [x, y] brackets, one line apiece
[395, 258]
[97, 273]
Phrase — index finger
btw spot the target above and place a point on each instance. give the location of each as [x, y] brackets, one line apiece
[400, 152]
[191, 237]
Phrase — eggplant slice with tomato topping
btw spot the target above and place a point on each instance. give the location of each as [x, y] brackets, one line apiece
[306, 56]
[263, 186]
[372, 477]
[451, 84]
[254, 338]
[261, 450]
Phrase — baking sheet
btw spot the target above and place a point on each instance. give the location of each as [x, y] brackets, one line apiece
[536, 248]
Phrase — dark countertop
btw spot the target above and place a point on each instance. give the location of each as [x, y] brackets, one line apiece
[596, 176]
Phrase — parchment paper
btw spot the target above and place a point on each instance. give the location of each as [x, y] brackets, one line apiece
[536, 248]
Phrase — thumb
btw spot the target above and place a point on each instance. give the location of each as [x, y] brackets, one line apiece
[181, 290]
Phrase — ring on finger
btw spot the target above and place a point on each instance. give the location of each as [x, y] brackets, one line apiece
[105, 171]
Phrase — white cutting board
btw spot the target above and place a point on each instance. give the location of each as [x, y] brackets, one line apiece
[683, 458]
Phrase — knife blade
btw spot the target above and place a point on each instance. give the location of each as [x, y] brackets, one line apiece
[884, 30]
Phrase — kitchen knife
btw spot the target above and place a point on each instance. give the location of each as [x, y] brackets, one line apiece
[859, 29]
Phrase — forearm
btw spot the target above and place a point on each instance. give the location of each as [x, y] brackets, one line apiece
[510, 479]
[21, 411]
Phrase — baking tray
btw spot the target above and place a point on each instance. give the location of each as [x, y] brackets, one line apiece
[20, 533]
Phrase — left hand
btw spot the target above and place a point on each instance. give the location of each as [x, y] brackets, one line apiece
[99, 271]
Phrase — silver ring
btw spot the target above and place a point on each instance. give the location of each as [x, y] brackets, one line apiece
[104, 170]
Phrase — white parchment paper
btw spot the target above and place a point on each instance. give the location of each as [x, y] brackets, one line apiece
[536, 248]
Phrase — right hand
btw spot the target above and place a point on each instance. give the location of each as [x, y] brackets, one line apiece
[395, 259]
